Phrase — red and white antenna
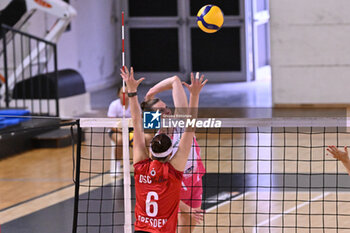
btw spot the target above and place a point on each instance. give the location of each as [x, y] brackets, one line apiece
[125, 134]
[123, 62]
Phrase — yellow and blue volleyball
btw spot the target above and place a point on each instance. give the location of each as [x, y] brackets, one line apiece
[210, 18]
[131, 139]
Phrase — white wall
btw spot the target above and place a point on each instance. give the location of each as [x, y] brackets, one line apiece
[310, 51]
[90, 46]
[92, 36]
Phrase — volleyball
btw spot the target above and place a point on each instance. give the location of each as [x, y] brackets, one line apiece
[210, 18]
[131, 138]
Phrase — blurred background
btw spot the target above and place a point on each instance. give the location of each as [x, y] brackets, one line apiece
[61, 59]
[161, 40]
[268, 53]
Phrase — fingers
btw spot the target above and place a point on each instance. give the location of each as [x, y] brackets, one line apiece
[124, 76]
[128, 77]
[201, 217]
[198, 211]
[346, 149]
[195, 79]
[124, 69]
[329, 150]
[201, 79]
[198, 214]
[186, 85]
[333, 149]
[336, 153]
[124, 72]
[205, 81]
[140, 80]
[148, 96]
[332, 153]
[198, 219]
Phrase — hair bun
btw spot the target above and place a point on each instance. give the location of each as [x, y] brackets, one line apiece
[160, 143]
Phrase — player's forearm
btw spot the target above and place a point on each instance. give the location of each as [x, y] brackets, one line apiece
[179, 95]
[194, 100]
[135, 112]
[347, 165]
[192, 111]
[166, 84]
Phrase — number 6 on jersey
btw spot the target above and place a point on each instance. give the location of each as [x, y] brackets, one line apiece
[150, 203]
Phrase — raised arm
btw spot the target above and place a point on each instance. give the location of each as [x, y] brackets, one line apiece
[139, 148]
[174, 84]
[181, 156]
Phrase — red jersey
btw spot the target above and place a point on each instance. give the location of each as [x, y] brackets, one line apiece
[157, 187]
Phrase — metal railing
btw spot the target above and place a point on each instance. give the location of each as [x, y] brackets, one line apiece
[28, 73]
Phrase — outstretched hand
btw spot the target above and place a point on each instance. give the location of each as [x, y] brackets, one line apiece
[196, 84]
[197, 215]
[342, 156]
[129, 79]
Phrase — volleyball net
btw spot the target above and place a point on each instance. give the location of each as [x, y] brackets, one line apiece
[261, 175]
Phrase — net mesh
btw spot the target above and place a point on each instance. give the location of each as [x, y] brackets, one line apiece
[257, 179]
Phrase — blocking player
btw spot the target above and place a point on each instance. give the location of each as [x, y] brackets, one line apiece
[190, 213]
[158, 180]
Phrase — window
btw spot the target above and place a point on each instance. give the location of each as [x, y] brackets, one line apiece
[154, 49]
[162, 39]
[152, 8]
[219, 51]
[229, 7]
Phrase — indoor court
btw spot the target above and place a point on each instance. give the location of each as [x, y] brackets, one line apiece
[277, 74]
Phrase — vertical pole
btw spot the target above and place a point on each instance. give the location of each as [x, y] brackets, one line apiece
[56, 80]
[123, 62]
[77, 180]
[127, 179]
[14, 62]
[7, 97]
[126, 163]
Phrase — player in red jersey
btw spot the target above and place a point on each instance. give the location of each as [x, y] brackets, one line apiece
[157, 180]
[190, 213]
